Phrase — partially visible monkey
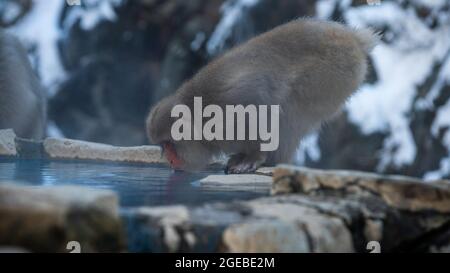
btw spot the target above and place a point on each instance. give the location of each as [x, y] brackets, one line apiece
[22, 99]
[308, 67]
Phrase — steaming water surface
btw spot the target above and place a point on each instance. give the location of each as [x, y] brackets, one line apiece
[136, 185]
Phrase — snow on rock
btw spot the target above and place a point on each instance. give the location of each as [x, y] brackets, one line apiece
[402, 66]
[39, 29]
[427, 102]
[233, 11]
[412, 48]
[91, 13]
[442, 121]
[309, 146]
[54, 131]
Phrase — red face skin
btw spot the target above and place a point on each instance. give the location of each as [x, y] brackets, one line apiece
[171, 155]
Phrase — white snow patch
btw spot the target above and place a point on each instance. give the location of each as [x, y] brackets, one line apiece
[309, 146]
[13, 9]
[53, 130]
[232, 11]
[401, 67]
[444, 170]
[426, 103]
[324, 9]
[442, 121]
[197, 43]
[40, 28]
[412, 32]
[94, 12]
[344, 4]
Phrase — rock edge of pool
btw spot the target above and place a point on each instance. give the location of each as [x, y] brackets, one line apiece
[300, 210]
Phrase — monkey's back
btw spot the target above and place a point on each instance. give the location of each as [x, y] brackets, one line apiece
[308, 67]
[307, 58]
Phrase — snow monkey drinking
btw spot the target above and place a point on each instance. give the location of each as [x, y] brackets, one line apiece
[308, 68]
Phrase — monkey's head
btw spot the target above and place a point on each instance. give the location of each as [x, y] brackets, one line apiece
[181, 154]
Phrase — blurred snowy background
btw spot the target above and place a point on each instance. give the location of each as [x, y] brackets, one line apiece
[104, 63]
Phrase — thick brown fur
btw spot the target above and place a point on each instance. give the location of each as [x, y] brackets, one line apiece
[308, 67]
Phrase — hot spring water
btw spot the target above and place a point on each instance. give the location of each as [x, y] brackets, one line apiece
[136, 184]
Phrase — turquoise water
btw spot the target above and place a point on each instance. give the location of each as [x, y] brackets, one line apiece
[136, 184]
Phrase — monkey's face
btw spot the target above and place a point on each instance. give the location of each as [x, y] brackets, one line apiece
[186, 155]
[183, 154]
[171, 154]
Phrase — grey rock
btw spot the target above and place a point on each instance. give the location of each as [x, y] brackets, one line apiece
[168, 218]
[46, 219]
[265, 171]
[245, 182]
[76, 149]
[7, 143]
[397, 211]
[266, 236]
[312, 211]
[289, 228]
[401, 192]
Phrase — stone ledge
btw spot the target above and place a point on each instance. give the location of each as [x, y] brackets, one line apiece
[77, 149]
[401, 192]
[244, 182]
[54, 148]
[265, 171]
[7, 143]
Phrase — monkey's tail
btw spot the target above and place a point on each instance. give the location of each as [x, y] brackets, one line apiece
[367, 38]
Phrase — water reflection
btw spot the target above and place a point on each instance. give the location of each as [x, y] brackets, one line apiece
[136, 185]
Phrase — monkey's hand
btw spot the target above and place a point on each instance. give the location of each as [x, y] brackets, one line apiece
[243, 163]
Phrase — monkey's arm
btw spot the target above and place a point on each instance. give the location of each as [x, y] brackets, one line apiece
[252, 89]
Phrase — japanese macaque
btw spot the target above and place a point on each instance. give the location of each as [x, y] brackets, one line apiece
[308, 67]
[22, 100]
